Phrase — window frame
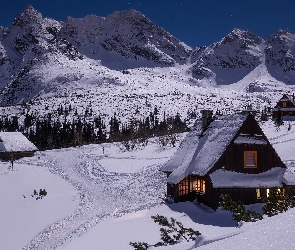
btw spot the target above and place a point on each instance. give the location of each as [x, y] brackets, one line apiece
[258, 194]
[254, 153]
[183, 187]
[192, 184]
[200, 185]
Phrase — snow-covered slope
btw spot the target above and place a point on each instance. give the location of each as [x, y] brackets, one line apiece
[229, 60]
[102, 196]
[123, 61]
[124, 40]
[280, 53]
[29, 45]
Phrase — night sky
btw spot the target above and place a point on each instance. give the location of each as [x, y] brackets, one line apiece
[195, 22]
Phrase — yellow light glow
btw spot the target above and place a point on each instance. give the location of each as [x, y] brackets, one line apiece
[258, 194]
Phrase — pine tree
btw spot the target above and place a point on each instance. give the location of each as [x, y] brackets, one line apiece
[276, 202]
[238, 210]
[172, 232]
[279, 119]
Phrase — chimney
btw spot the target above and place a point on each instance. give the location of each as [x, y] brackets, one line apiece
[206, 118]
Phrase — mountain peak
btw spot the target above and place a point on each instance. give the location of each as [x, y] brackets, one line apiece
[237, 31]
[241, 35]
[130, 15]
[130, 12]
[283, 32]
[29, 8]
[134, 12]
[28, 16]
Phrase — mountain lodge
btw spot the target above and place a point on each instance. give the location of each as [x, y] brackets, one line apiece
[230, 156]
[284, 107]
[14, 145]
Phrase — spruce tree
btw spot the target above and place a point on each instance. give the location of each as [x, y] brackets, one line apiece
[238, 210]
[276, 202]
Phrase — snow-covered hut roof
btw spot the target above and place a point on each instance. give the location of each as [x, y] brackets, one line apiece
[286, 98]
[289, 176]
[184, 154]
[228, 179]
[199, 156]
[15, 142]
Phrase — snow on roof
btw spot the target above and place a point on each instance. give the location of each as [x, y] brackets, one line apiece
[211, 146]
[289, 176]
[15, 142]
[286, 98]
[283, 109]
[184, 153]
[228, 179]
[249, 139]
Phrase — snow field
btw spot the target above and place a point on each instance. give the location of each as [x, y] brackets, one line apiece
[22, 218]
[103, 199]
[102, 193]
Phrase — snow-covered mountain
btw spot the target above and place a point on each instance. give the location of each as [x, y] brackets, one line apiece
[129, 34]
[229, 60]
[99, 58]
[279, 54]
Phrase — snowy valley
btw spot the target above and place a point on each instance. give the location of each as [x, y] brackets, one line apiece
[102, 196]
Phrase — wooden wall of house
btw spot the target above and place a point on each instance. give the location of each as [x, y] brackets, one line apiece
[7, 156]
[286, 102]
[283, 112]
[209, 198]
[233, 157]
[245, 195]
[283, 105]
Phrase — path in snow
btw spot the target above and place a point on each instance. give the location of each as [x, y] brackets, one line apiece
[102, 193]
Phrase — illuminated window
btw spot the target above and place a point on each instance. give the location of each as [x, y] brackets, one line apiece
[277, 191]
[258, 194]
[250, 159]
[200, 186]
[281, 190]
[183, 187]
[194, 184]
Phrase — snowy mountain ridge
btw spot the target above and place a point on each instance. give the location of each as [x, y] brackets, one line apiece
[83, 60]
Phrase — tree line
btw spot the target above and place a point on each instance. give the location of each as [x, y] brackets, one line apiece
[48, 132]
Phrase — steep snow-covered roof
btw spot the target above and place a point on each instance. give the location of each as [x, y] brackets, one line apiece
[268, 179]
[204, 153]
[15, 142]
[289, 176]
[286, 98]
[184, 154]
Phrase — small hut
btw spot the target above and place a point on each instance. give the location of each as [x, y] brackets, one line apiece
[14, 145]
[231, 156]
[285, 107]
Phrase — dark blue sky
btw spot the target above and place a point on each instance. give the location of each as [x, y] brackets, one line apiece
[195, 22]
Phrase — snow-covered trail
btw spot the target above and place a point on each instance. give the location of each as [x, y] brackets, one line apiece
[102, 193]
